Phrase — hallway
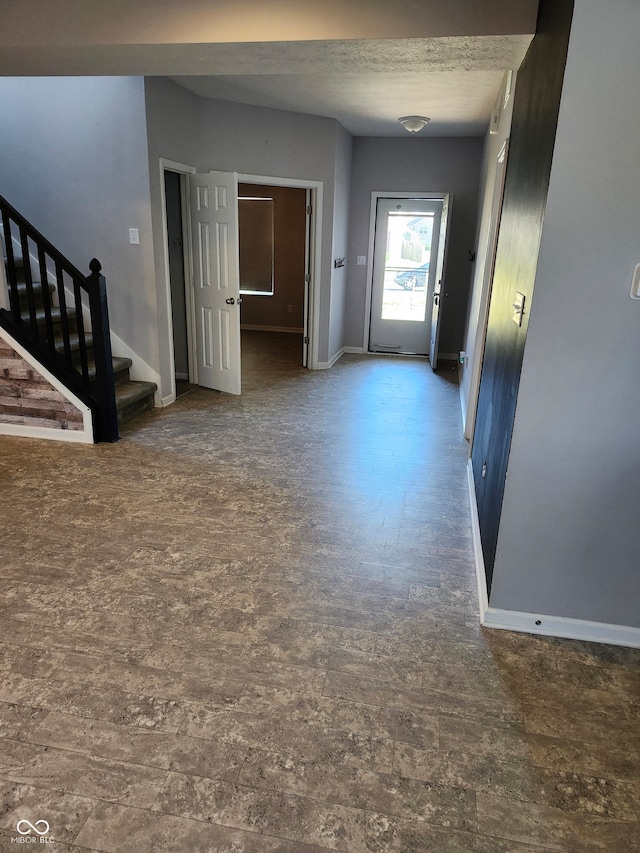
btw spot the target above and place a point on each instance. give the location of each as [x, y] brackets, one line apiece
[252, 625]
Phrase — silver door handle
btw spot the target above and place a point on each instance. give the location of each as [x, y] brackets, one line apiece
[230, 301]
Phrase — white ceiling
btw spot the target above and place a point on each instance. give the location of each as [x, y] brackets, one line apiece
[367, 84]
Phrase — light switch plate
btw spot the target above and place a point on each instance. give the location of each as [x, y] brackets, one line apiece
[134, 237]
[361, 260]
[518, 308]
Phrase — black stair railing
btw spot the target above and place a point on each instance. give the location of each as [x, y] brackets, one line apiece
[61, 317]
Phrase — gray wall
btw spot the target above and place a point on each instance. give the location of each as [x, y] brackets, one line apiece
[73, 160]
[275, 143]
[341, 203]
[173, 133]
[225, 136]
[569, 541]
[408, 165]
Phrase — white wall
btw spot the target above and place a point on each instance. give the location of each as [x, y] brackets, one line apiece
[569, 542]
[415, 165]
[73, 160]
[480, 291]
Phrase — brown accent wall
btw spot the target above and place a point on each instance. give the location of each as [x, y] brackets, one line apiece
[289, 255]
[27, 398]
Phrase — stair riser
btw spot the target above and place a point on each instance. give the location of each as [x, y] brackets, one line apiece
[121, 376]
[57, 326]
[132, 411]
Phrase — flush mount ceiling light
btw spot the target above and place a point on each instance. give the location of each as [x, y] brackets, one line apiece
[413, 123]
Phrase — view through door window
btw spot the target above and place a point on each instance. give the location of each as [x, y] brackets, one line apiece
[406, 270]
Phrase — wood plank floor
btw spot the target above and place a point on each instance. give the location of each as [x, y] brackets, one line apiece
[251, 625]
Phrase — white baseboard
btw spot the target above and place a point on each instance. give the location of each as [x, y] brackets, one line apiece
[354, 350]
[481, 578]
[139, 371]
[463, 402]
[562, 626]
[325, 365]
[49, 433]
[83, 436]
[250, 327]
[537, 623]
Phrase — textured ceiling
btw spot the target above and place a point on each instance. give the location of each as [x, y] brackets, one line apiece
[365, 84]
[362, 62]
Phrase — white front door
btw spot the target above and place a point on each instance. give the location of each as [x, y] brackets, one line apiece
[404, 268]
[216, 285]
[439, 292]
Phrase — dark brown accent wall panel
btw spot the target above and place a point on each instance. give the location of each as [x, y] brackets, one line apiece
[533, 131]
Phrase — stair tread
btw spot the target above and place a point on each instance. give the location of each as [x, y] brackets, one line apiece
[37, 287]
[74, 341]
[56, 315]
[132, 391]
[120, 365]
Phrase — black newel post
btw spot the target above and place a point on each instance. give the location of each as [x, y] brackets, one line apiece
[106, 426]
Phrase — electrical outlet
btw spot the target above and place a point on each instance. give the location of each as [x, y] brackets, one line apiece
[290, 308]
[361, 260]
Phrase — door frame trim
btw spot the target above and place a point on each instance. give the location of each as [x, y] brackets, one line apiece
[183, 170]
[491, 247]
[312, 331]
[375, 195]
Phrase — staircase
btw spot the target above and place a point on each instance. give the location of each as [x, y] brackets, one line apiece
[132, 398]
[61, 318]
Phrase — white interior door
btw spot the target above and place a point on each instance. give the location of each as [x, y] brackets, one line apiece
[216, 285]
[405, 248]
[439, 292]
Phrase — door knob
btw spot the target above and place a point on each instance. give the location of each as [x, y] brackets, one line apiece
[230, 301]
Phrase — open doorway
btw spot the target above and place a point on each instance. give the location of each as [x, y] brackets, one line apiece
[175, 219]
[408, 239]
[183, 318]
[273, 231]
